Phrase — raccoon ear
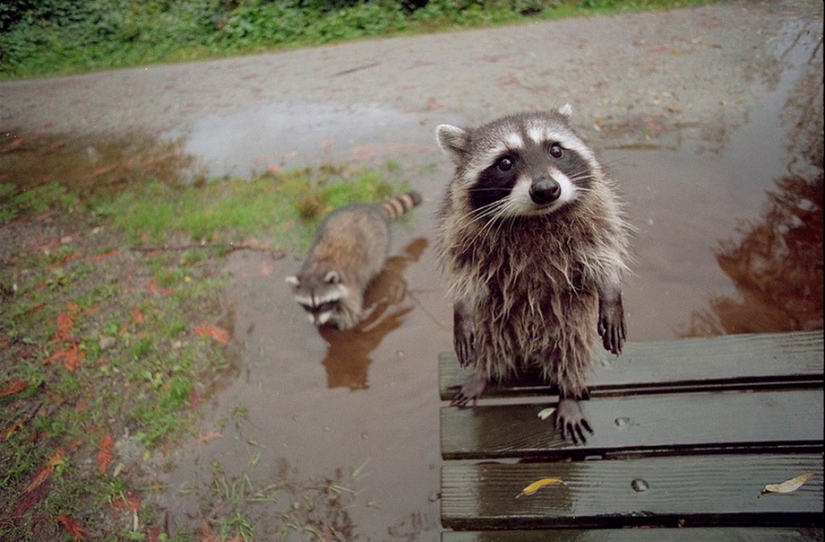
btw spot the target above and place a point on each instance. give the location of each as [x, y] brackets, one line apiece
[293, 281]
[332, 277]
[566, 110]
[452, 140]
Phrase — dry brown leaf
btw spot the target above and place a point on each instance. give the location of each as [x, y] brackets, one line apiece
[788, 486]
[546, 412]
[220, 335]
[41, 477]
[14, 387]
[74, 527]
[104, 454]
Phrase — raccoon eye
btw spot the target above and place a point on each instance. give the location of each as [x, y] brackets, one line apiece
[505, 164]
[556, 150]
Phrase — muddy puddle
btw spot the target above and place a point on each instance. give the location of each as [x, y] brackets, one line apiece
[729, 240]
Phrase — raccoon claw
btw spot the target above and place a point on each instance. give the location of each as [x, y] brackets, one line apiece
[468, 391]
[612, 328]
[570, 421]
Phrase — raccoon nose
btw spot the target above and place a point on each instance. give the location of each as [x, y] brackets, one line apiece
[545, 191]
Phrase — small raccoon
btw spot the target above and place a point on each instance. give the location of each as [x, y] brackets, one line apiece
[350, 248]
[533, 246]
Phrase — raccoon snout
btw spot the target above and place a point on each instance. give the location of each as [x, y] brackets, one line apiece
[545, 191]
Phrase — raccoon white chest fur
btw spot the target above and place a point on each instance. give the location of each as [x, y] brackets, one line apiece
[533, 245]
[350, 248]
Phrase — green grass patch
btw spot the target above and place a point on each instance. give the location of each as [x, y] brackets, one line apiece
[288, 205]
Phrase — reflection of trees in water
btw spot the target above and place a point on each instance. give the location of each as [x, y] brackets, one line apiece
[777, 266]
[348, 355]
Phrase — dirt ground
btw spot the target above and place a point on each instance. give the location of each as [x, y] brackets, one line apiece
[685, 67]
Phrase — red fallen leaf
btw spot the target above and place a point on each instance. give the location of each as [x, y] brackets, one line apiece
[65, 321]
[104, 454]
[102, 256]
[36, 308]
[14, 387]
[138, 314]
[207, 533]
[41, 477]
[74, 527]
[130, 503]
[155, 289]
[72, 357]
[220, 335]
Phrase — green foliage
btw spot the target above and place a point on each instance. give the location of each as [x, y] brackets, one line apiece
[40, 37]
[38, 199]
[288, 205]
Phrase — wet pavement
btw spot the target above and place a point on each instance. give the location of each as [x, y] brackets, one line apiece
[710, 118]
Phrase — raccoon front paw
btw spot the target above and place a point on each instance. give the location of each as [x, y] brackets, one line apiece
[570, 421]
[464, 340]
[468, 391]
[612, 328]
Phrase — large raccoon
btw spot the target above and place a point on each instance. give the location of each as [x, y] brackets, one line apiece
[350, 248]
[533, 245]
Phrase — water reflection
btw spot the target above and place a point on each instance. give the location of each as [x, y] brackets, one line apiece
[91, 163]
[348, 355]
[776, 264]
[776, 267]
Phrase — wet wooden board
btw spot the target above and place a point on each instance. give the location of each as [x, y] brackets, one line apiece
[717, 363]
[705, 534]
[690, 491]
[678, 423]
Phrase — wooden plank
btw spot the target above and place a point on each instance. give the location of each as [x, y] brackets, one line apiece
[692, 491]
[651, 424]
[705, 534]
[728, 362]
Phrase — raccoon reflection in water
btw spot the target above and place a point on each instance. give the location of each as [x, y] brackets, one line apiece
[534, 244]
[386, 303]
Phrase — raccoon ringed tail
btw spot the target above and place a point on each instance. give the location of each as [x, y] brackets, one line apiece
[397, 206]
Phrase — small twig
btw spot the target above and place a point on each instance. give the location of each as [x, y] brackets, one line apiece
[276, 254]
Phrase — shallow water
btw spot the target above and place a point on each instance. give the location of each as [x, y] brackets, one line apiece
[729, 240]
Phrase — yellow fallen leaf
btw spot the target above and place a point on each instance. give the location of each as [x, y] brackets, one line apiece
[788, 485]
[546, 412]
[538, 484]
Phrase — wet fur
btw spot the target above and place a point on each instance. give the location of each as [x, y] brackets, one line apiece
[531, 288]
[350, 248]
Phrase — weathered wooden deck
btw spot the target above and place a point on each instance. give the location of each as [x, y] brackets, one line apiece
[687, 434]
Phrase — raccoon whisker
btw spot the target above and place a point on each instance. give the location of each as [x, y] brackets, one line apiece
[492, 213]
